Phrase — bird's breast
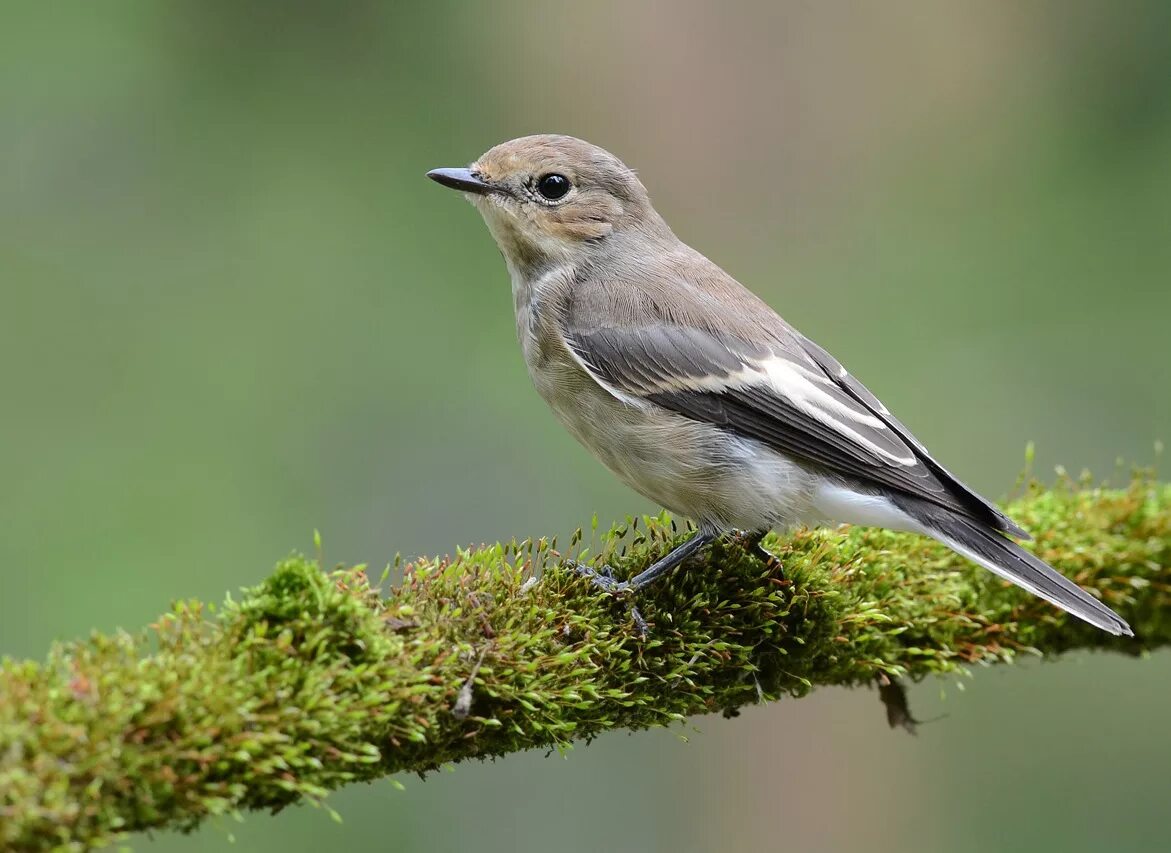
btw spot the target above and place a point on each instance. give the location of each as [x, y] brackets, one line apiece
[691, 468]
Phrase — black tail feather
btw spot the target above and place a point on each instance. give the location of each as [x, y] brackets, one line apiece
[1003, 557]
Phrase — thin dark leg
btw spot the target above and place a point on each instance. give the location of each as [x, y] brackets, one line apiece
[656, 570]
[752, 543]
[670, 560]
[604, 578]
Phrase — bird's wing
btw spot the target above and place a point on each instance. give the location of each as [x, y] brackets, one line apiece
[753, 375]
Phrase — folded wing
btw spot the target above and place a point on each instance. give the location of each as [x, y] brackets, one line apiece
[757, 377]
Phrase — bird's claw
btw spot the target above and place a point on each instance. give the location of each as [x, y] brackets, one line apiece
[603, 579]
[769, 559]
[640, 624]
[751, 543]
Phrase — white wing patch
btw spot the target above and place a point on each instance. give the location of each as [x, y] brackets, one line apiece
[839, 414]
[809, 390]
[797, 385]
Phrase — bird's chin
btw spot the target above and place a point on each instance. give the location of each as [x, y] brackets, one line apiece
[495, 215]
[523, 244]
[494, 209]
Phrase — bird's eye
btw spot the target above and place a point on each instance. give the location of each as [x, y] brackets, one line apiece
[553, 186]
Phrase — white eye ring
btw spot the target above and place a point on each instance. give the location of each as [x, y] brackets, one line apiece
[553, 186]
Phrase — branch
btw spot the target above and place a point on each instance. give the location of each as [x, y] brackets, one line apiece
[312, 680]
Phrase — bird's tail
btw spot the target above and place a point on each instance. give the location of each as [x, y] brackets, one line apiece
[1005, 558]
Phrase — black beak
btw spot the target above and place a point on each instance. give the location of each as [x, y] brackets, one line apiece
[460, 179]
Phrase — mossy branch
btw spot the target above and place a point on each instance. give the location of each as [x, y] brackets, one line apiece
[313, 680]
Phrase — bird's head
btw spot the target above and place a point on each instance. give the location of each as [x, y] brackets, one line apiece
[552, 199]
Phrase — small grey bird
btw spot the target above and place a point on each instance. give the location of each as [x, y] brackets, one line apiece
[694, 392]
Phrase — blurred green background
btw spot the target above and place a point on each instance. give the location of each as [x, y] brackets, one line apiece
[233, 310]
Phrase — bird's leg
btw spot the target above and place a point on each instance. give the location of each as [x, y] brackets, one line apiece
[753, 546]
[669, 561]
[604, 577]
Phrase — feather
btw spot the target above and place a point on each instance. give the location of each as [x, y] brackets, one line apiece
[749, 372]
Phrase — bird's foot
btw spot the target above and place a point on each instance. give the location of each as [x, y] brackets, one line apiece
[603, 579]
[751, 543]
[769, 559]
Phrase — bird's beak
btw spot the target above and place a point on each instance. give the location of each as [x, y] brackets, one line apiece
[461, 179]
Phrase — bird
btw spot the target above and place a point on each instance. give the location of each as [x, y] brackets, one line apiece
[695, 392]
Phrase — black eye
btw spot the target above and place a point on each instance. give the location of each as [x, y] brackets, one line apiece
[553, 186]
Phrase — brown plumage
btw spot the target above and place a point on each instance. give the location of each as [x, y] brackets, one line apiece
[693, 390]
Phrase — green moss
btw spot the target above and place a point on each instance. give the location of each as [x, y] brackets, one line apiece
[314, 680]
